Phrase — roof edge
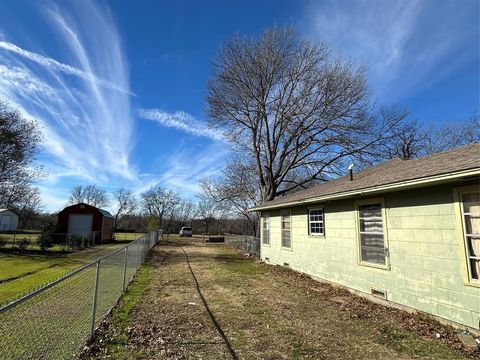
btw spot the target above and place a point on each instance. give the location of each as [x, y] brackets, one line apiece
[400, 185]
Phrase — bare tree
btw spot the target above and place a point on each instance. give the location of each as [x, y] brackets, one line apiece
[19, 140]
[237, 189]
[184, 211]
[296, 113]
[451, 135]
[182, 214]
[207, 212]
[89, 194]
[472, 128]
[160, 203]
[406, 141]
[126, 204]
[413, 139]
[29, 207]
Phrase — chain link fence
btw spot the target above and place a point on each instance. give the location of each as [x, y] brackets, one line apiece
[55, 321]
[37, 240]
[248, 244]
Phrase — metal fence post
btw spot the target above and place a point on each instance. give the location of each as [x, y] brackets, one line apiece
[125, 258]
[138, 250]
[95, 294]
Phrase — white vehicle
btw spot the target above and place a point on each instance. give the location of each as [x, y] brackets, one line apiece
[186, 231]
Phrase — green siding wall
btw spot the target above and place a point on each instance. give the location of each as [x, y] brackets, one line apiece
[426, 262]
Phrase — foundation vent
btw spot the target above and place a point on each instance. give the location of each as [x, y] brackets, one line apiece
[286, 264]
[267, 259]
[379, 293]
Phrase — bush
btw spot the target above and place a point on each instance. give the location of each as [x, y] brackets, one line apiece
[74, 242]
[3, 243]
[44, 241]
[153, 224]
[23, 244]
[49, 227]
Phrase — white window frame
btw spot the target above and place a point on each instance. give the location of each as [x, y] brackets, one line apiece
[322, 222]
[266, 221]
[282, 214]
[466, 253]
[358, 203]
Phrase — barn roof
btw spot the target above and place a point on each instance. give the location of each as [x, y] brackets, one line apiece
[395, 173]
[106, 213]
[13, 211]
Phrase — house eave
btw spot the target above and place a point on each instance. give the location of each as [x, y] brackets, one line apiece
[401, 185]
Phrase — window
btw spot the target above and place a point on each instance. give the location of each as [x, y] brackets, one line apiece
[286, 239]
[471, 231]
[266, 229]
[315, 222]
[372, 242]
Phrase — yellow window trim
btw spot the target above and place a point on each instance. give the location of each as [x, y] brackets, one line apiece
[282, 212]
[264, 215]
[358, 203]
[460, 231]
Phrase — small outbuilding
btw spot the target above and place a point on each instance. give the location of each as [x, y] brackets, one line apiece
[8, 220]
[86, 220]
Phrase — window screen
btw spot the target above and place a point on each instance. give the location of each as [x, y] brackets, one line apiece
[286, 240]
[316, 222]
[471, 214]
[266, 229]
[372, 243]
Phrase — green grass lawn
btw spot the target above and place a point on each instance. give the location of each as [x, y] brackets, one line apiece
[13, 240]
[127, 236]
[23, 273]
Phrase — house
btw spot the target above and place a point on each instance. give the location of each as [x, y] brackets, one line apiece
[86, 220]
[8, 220]
[407, 231]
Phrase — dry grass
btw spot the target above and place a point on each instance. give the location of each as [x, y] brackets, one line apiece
[248, 310]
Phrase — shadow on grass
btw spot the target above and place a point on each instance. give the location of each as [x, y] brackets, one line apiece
[210, 314]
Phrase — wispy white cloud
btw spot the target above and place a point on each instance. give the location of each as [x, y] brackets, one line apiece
[408, 45]
[84, 108]
[53, 198]
[58, 66]
[181, 121]
[184, 168]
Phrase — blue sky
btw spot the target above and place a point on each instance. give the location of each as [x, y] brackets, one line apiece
[118, 86]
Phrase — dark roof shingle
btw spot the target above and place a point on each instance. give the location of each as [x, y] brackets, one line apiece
[393, 171]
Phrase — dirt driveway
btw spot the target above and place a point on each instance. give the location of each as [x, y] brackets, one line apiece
[198, 301]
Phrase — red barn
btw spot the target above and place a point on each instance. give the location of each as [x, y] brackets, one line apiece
[86, 220]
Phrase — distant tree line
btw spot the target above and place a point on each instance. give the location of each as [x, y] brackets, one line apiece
[159, 208]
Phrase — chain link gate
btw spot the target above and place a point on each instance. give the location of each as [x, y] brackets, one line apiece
[248, 244]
